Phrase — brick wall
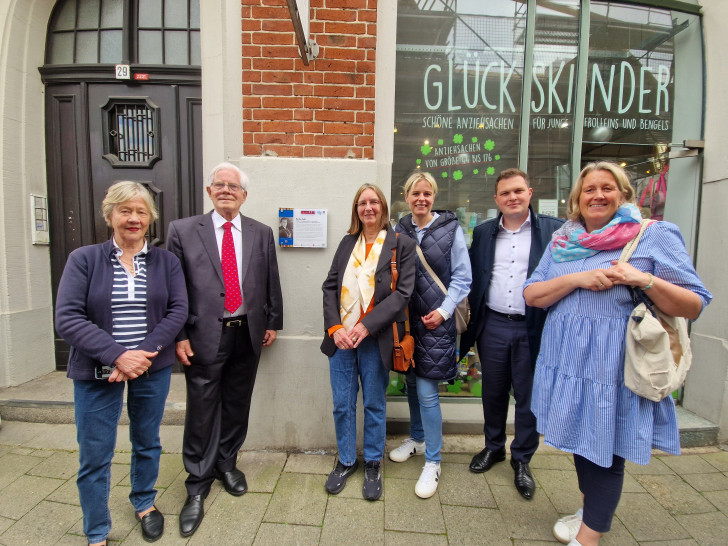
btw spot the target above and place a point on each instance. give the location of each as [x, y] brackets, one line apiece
[325, 109]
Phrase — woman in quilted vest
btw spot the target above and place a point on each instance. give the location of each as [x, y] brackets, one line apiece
[441, 240]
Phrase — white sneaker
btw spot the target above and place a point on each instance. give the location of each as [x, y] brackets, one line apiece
[427, 484]
[408, 448]
[566, 528]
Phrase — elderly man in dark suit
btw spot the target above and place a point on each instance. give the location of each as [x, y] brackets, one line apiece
[235, 308]
[505, 251]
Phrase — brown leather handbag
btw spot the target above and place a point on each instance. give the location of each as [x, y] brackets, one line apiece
[404, 349]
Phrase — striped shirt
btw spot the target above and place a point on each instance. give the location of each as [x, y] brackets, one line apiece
[129, 300]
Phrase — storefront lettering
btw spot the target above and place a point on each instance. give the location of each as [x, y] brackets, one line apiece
[433, 87]
[468, 122]
[553, 88]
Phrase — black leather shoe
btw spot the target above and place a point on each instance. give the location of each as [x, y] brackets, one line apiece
[152, 525]
[485, 459]
[234, 482]
[523, 480]
[191, 515]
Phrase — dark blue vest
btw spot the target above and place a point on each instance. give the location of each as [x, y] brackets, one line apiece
[434, 349]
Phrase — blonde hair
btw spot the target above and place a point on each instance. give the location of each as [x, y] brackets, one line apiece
[123, 191]
[356, 226]
[416, 177]
[573, 212]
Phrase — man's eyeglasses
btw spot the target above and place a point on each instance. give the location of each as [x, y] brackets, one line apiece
[234, 188]
[363, 204]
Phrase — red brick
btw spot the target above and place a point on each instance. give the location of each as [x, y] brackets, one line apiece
[371, 79]
[343, 104]
[330, 65]
[371, 55]
[277, 25]
[348, 54]
[372, 4]
[273, 38]
[345, 28]
[315, 27]
[303, 139]
[264, 12]
[365, 91]
[346, 78]
[372, 29]
[346, 4]
[369, 106]
[252, 149]
[251, 102]
[335, 128]
[335, 140]
[251, 25]
[282, 77]
[334, 91]
[282, 102]
[271, 89]
[369, 153]
[313, 77]
[325, 14]
[302, 89]
[366, 66]
[247, 89]
[370, 16]
[272, 64]
[366, 42]
[337, 40]
[281, 52]
[315, 103]
[317, 3]
[285, 151]
[335, 115]
[365, 117]
[250, 2]
[340, 152]
[273, 138]
[368, 129]
[282, 126]
[251, 51]
[246, 38]
[251, 128]
[364, 140]
[247, 63]
[313, 151]
[251, 76]
[303, 115]
[247, 114]
[273, 114]
[313, 127]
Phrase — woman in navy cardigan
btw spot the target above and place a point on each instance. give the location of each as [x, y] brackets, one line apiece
[120, 305]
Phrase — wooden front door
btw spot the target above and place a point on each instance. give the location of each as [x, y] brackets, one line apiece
[100, 133]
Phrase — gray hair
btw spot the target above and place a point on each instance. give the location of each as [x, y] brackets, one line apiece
[123, 191]
[242, 177]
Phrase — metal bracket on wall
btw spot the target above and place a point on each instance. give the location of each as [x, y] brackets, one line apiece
[686, 148]
[312, 50]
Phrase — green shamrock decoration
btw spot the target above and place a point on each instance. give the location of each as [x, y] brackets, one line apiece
[419, 162]
[444, 175]
[489, 145]
[457, 175]
[425, 149]
[457, 138]
[490, 170]
[440, 142]
[497, 157]
[474, 139]
[475, 171]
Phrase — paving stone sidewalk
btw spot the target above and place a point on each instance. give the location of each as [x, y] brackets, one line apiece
[674, 501]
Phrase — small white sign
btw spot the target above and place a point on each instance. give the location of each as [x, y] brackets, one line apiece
[548, 206]
[123, 72]
[304, 228]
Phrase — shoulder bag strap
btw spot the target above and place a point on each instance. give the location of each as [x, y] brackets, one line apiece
[430, 271]
[631, 245]
[395, 275]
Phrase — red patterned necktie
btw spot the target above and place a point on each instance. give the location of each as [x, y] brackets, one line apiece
[233, 299]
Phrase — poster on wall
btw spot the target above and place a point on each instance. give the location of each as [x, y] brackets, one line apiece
[304, 228]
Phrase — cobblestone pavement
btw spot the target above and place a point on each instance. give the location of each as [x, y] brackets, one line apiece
[674, 501]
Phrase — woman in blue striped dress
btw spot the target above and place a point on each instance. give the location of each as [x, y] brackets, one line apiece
[579, 397]
[120, 305]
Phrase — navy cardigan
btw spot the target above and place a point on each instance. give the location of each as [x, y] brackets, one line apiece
[83, 308]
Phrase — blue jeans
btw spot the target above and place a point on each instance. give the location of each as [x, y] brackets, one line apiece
[347, 367]
[98, 406]
[425, 414]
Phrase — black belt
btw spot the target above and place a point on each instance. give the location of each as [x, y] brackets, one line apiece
[235, 322]
[514, 317]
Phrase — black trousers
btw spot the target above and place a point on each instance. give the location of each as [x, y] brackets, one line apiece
[602, 489]
[218, 407]
[506, 361]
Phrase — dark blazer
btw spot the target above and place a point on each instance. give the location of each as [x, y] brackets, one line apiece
[482, 256]
[83, 308]
[193, 241]
[388, 306]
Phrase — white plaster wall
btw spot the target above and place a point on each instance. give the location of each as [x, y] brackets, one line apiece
[706, 391]
[26, 324]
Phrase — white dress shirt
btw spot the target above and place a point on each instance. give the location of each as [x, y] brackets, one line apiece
[510, 269]
[218, 221]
